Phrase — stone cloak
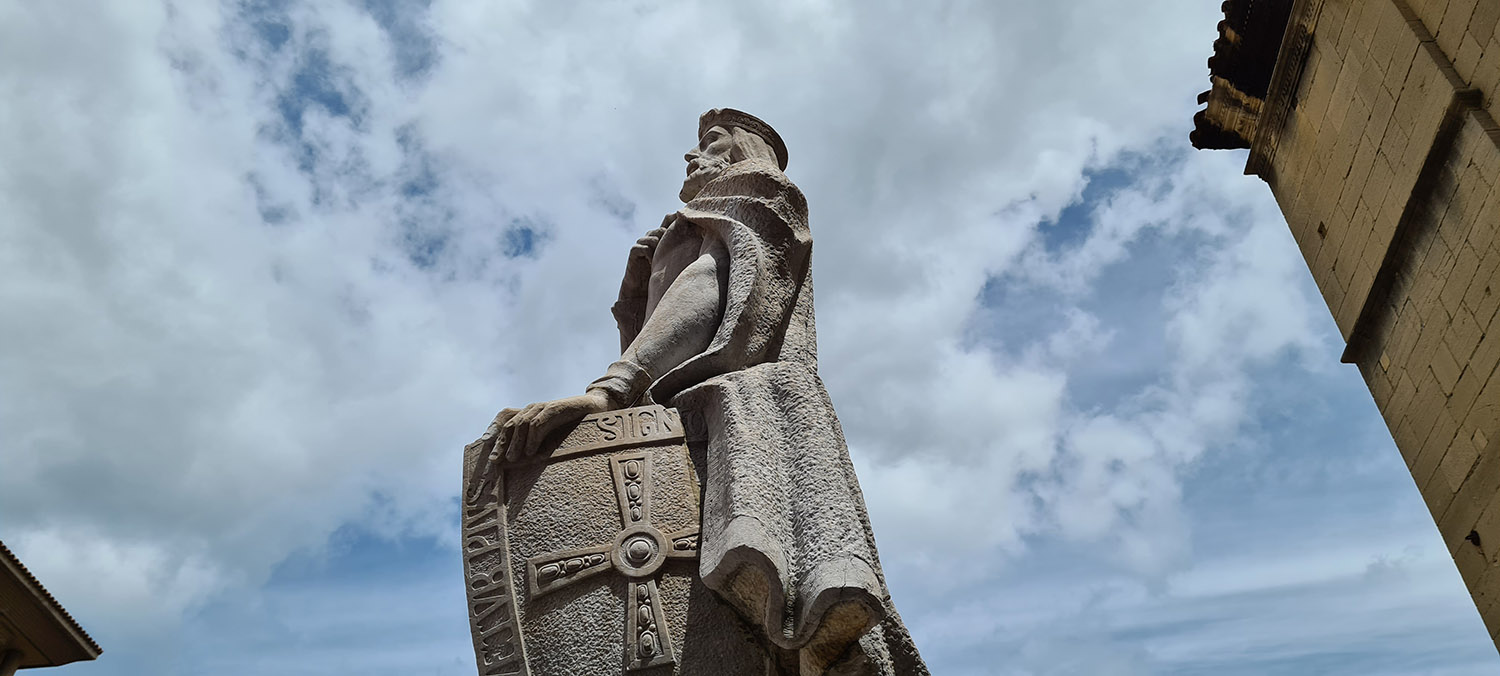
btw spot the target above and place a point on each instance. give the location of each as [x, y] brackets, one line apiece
[786, 537]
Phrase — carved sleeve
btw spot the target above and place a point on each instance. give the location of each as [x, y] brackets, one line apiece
[681, 326]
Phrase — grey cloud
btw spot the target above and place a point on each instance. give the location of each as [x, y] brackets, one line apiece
[267, 266]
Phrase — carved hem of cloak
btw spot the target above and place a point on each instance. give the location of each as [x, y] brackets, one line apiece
[785, 534]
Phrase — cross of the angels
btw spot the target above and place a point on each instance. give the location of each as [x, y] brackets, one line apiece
[638, 552]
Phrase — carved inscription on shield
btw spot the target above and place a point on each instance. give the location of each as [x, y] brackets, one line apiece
[616, 429]
[493, 620]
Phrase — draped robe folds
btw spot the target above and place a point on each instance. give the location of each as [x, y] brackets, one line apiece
[785, 534]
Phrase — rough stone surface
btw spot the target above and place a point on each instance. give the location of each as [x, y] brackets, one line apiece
[716, 320]
[576, 588]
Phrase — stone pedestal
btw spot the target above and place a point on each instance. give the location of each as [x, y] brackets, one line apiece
[584, 559]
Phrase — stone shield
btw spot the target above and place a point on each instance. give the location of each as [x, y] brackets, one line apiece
[583, 559]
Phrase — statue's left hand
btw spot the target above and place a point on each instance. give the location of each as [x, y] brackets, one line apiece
[522, 434]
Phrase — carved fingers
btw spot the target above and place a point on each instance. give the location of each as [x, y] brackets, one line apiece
[646, 245]
[638, 264]
[490, 450]
[501, 418]
[522, 434]
[516, 432]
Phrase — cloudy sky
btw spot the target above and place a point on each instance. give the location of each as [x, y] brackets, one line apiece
[266, 266]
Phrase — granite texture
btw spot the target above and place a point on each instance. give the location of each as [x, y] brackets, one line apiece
[571, 592]
[716, 320]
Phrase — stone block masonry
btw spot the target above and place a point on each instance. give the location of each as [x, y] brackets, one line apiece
[1378, 138]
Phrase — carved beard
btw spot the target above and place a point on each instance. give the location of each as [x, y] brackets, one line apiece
[709, 168]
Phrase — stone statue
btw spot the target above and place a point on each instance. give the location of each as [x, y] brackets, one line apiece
[715, 315]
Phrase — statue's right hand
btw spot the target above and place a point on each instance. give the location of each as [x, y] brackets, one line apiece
[491, 452]
[522, 434]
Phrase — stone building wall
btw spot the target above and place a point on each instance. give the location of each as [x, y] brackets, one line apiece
[1378, 139]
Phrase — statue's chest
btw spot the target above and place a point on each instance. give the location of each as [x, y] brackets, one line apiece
[680, 245]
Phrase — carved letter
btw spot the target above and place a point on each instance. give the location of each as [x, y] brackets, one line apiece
[476, 519]
[609, 426]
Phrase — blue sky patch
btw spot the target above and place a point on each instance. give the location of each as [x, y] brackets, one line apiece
[1076, 220]
[269, 21]
[523, 238]
[419, 178]
[318, 611]
[412, 44]
[316, 83]
[424, 248]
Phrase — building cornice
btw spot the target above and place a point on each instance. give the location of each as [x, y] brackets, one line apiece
[1281, 96]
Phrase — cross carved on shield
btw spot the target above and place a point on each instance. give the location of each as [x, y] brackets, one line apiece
[637, 552]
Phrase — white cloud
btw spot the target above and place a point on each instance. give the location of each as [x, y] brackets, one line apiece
[265, 267]
[125, 582]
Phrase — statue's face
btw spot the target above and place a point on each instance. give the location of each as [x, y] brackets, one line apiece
[707, 160]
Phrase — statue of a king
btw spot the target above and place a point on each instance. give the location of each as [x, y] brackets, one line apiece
[715, 316]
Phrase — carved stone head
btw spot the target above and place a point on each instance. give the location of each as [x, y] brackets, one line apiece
[726, 136]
